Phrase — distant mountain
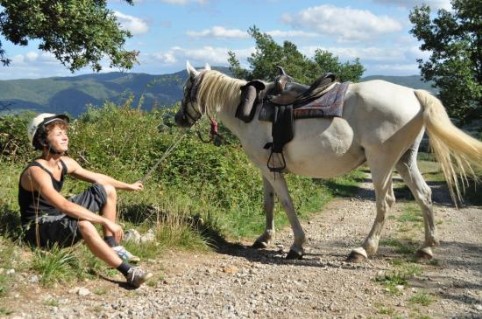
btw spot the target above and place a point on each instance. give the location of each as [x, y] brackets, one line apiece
[73, 94]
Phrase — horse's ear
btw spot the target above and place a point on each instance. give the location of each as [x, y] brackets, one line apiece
[207, 66]
[191, 71]
[281, 71]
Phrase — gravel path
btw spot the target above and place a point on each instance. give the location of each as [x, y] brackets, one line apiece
[239, 282]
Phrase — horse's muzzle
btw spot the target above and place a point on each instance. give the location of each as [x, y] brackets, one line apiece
[181, 119]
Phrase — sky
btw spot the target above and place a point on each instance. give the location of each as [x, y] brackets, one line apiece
[167, 33]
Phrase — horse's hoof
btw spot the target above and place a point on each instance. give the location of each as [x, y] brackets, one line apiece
[259, 245]
[294, 255]
[357, 255]
[424, 254]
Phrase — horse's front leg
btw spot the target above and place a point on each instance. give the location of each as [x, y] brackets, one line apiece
[278, 183]
[385, 199]
[268, 206]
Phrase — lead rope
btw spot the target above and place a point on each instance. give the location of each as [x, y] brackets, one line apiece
[163, 157]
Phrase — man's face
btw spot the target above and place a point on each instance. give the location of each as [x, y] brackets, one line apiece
[57, 139]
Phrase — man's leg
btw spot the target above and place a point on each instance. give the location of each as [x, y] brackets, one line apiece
[103, 199]
[134, 275]
[97, 245]
[109, 209]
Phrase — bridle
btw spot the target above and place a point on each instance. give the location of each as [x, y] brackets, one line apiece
[191, 114]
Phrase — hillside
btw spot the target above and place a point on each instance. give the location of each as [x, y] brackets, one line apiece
[73, 94]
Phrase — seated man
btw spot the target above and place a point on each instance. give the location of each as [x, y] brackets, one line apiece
[49, 218]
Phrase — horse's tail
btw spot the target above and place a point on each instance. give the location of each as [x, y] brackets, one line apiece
[456, 151]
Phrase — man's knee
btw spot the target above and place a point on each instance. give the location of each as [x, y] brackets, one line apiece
[110, 191]
[87, 229]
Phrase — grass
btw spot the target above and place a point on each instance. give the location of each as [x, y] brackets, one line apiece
[399, 276]
[411, 214]
[384, 310]
[401, 247]
[5, 311]
[421, 298]
[57, 265]
[12, 257]
[51, 302]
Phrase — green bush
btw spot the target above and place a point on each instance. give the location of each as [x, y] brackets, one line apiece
[14, 144]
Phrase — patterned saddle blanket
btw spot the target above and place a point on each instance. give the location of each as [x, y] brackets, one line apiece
[329, 104]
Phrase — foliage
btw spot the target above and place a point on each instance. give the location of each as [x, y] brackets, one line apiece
[269, 55]
[455, 65]
[78, 33]
[398, 277]
[56, 265]
[421, 298]
[14, 143]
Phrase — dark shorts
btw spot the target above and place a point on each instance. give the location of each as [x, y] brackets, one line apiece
[62, 229]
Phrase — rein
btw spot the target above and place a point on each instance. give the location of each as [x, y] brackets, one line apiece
[163, 157]
[215, 137]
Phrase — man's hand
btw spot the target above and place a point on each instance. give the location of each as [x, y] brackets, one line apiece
[115, 229]
[137, 186]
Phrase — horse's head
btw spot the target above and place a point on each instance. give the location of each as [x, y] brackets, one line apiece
[191, 110]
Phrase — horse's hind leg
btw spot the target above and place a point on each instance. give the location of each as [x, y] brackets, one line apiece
[408, 170]
[268, 207]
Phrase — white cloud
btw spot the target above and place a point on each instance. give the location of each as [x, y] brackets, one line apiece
[134, 25]
[344, 24]
[292, 34]
[219, 32]
[222, 32]
[434, 4]
[213, 55]
[35, 57]
[31, 56]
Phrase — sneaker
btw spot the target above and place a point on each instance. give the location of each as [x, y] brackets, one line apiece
[136, 276]
[125, 255]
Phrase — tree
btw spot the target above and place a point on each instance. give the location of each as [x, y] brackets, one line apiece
[77, 32]
[455, 65]
[269, 55]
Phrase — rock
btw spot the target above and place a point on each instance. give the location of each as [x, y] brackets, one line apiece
[33, 279]
[148, 237]
[230, 269]
[83, 292]
[132, 235]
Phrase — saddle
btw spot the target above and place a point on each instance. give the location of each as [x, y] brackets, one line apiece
[296, 94]
[285, 101]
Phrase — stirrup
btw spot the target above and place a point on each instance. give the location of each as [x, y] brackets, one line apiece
[272, 162]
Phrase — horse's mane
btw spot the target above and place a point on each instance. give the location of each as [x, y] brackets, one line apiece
[218, 90]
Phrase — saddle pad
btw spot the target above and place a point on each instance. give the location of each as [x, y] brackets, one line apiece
[329, 104]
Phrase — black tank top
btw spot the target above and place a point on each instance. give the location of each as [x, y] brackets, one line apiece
[32, 204]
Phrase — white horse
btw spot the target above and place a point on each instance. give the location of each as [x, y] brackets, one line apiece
[382, 125]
